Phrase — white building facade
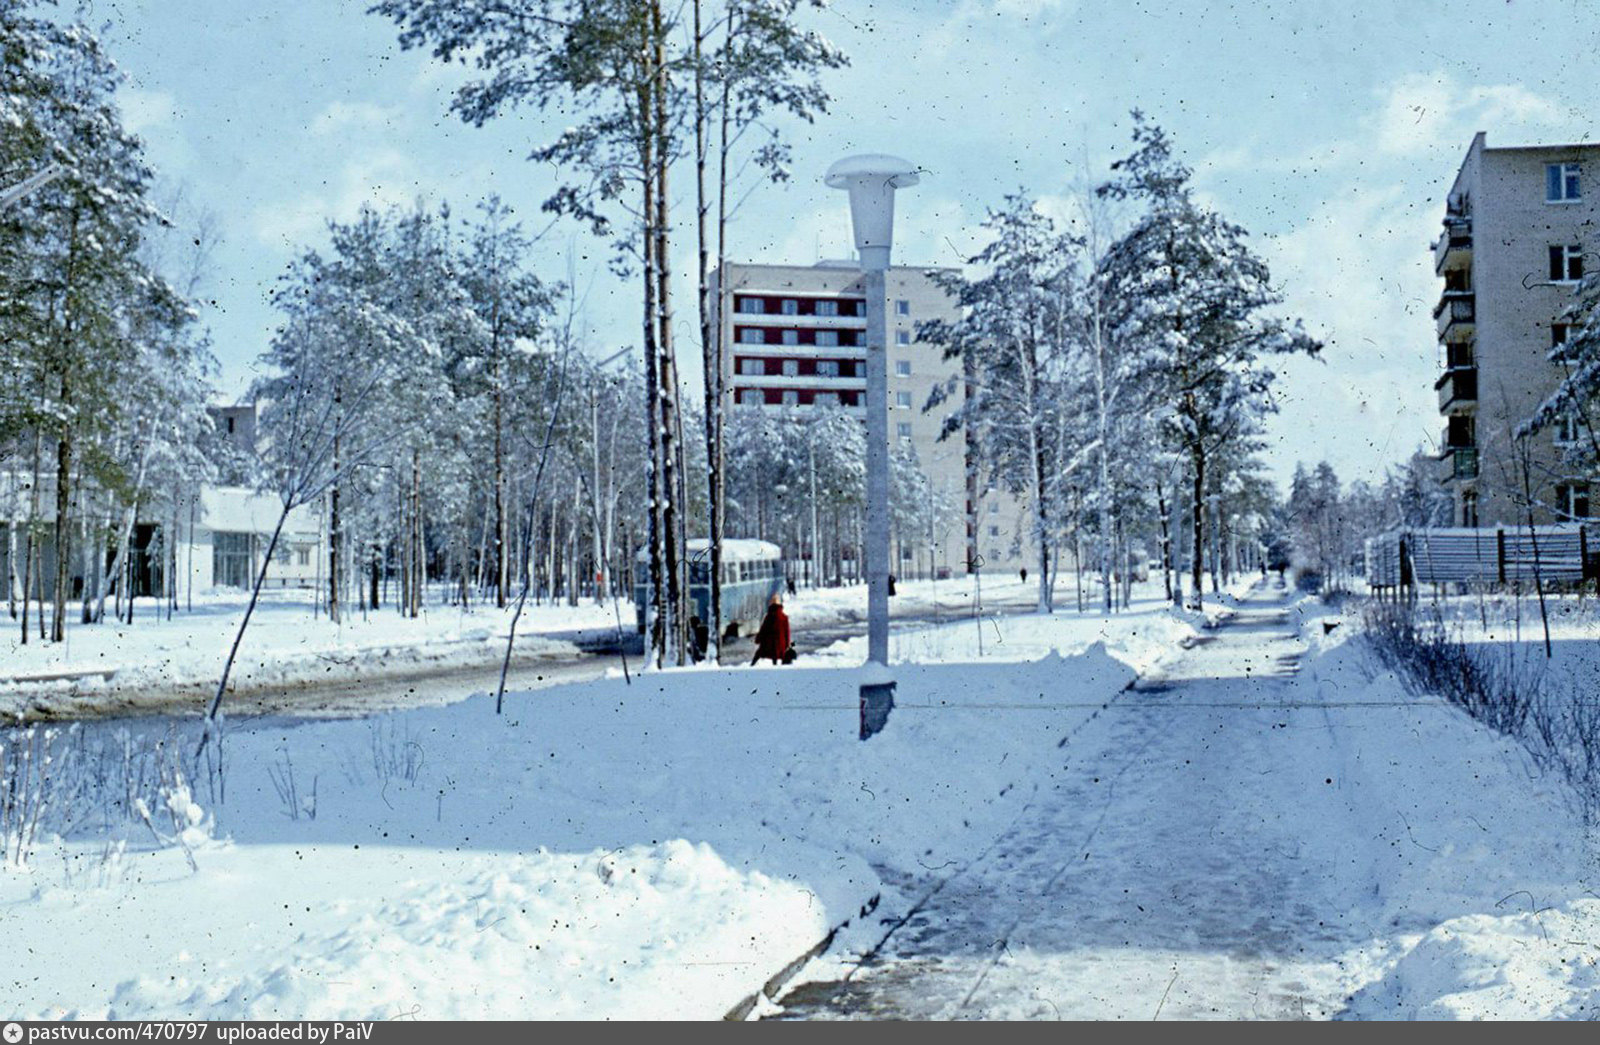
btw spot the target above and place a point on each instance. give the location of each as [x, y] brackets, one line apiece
[795, 338]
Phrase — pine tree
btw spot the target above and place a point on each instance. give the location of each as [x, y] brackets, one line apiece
[1188, 303]
[1013, 339]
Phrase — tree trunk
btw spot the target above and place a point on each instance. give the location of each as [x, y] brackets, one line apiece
[674, 552]
[58, 624]
[501, 574]
[1164, 515]
[335, 533]
[1198, 515]
[250, 608]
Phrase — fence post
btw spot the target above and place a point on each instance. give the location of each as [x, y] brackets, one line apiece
[1500, 553]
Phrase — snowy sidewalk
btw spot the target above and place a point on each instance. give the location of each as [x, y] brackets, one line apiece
[1232, 840]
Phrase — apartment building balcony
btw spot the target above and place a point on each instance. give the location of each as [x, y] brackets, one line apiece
[1455, 314]
[1458, 447]
[1458, 389]
[782, 351]
[1460, 463]
[800, 321]
[1453, 248]
[819, 381]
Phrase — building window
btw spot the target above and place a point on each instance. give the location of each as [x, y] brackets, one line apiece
[828, 338]
[790, 307]
[994, 507]
[902, 307]
[1561, 183]
[994, 531]
[752, 367]
[753, 306]
[231, 559]
[791, 337]
[302, 555]
[903, 430]
[751, 397]
[791, 367]
[827, 308]
[1567, 428]
[752, 336]
[902, 337]
[1469, 509]
[1572, 500]
[905, 554]
[827, 368]
[902, 368]
[1558, 334]
[791, 398]
[902, 400]
[1566, 264]
[826, 399]
[230, 426]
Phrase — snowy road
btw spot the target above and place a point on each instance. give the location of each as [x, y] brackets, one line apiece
[387, 688]
[1201, 853]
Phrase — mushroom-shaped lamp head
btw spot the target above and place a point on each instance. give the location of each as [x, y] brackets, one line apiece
[871, 180]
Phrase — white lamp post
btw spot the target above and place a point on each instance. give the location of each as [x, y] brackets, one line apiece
[871, 180]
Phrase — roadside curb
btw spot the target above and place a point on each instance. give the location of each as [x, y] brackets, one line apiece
[779, 980]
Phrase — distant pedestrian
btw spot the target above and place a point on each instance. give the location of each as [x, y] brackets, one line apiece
[699, 638]
[772, 641]
[891, 584]
[1024, 575]
[791, 585]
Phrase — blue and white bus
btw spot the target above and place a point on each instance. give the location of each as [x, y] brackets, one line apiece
[752, 572]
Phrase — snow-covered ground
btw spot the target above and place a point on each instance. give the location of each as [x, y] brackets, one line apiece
[1271, 829]
[289, 643]
[1142, 635]
[658, 849]
[285, 643]
[1234, 837]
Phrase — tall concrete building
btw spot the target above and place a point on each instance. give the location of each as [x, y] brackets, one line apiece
[796, 340]
[1520, 226]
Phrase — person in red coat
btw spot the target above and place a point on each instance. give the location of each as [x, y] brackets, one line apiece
[772, 641]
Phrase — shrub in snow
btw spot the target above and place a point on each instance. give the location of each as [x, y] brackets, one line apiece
[26, 783]
[1501, 686]
[190, 826]
[57, 783]
[295, 804]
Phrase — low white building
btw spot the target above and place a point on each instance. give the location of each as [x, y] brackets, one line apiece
[212, 540]
[221, 547]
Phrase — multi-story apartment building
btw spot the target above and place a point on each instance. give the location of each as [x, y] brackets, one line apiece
[796, 340]
[1520, 225]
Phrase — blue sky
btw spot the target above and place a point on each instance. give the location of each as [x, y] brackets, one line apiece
[1329, 131]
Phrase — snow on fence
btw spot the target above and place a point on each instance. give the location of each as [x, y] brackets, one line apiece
[1563, 554]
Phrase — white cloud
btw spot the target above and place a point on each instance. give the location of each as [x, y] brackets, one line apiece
[143, 110]
[1031, 8]
[1424, 118]
[1423, 111]
[380, 178]
[343, 117]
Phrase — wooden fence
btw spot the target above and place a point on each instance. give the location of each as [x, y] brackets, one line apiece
[1404, 559]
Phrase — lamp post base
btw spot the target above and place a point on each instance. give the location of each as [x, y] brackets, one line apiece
[877, 700]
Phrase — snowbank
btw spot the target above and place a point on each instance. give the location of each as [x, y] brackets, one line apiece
[284, 644]
[1536, 965]
[600, 850]
[1139, 639]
